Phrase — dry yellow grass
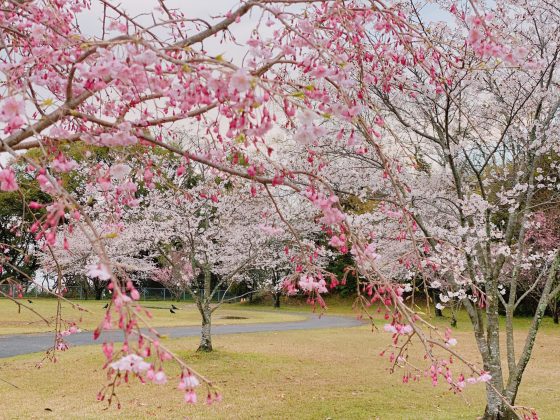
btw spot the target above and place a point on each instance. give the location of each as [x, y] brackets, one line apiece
[290, 375]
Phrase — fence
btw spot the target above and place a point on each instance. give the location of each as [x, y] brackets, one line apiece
[83, 293]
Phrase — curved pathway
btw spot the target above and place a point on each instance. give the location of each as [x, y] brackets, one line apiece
[13, 345]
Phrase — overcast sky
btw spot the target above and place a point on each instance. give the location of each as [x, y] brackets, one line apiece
[91, 23]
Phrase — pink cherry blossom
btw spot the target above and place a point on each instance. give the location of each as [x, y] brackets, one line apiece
[160, 378]
[130, 363]
[134, 294]
[99, 271]
[120, 171]
[189, 381]
[270, 230]
[240, 81]
[11, 109]
[484, 377]
[146, 58]
[8, 180]
[452, 342]
[190, 397]
[63, 164]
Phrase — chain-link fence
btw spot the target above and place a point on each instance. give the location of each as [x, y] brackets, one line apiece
[84, 293]
[160, 293]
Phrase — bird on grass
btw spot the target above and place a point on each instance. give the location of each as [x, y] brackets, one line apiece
[106, 306]
[29, 300]
[174, 307]
[172, 311]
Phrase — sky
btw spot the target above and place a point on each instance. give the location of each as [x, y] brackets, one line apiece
[205, 9]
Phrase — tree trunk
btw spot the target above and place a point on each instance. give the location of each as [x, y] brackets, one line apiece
[435, 298]
[276, 293]
[496, 409]
[98, 292]
[555, 310]
[496, 406]
[453, 321]
[206, 312]
[492, 360]
[206, 333]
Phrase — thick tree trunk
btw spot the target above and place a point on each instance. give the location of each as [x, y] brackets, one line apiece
[496, 409]
[206, 331]
[556, 315]
[277, 299]
[98, 293]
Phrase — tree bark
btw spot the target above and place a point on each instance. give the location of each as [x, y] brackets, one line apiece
[496, 409]
[435, 298]
[206, 312]
[275, 292]
[206, 331]
[98, 292]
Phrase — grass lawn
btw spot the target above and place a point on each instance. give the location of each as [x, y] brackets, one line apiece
[14, 322]
[315, 374]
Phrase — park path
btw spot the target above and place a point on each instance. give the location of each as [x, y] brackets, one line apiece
[13, 345]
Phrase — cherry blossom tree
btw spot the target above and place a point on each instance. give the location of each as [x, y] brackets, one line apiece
[287, 223]
[479, 148]
[74, 256]
[213, 234]
[205, 244]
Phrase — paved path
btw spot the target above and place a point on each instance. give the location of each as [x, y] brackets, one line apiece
[12, 345]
